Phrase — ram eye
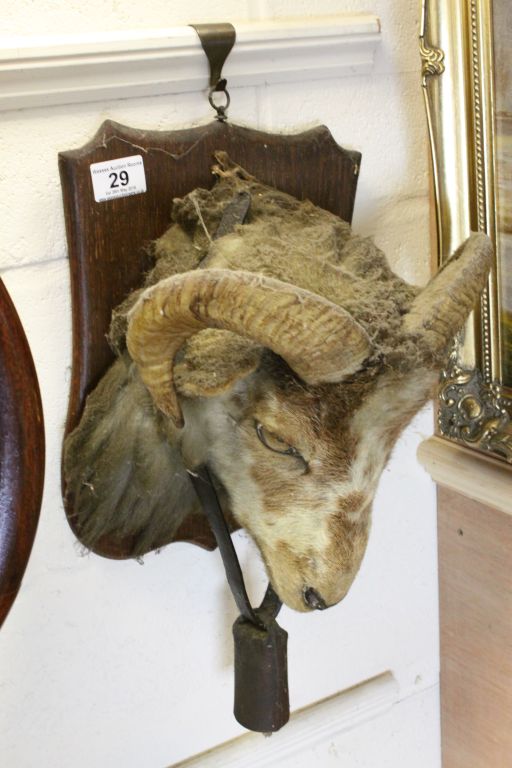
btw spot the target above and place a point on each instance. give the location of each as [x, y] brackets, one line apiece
[275, 443]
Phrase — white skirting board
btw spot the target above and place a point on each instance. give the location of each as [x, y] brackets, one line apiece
[318, 723]
[44, 71]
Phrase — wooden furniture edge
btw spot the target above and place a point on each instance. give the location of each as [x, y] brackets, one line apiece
[472, 474]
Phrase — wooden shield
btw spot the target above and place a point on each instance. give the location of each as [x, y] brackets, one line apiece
[21, 452]
[106, 239]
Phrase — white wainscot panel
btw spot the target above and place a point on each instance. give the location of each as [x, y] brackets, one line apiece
[365, 727]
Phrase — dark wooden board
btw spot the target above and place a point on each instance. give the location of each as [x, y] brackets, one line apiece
[106, 240]
[21, 453]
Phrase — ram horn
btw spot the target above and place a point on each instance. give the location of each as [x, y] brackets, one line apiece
[441, 308]
[320, 341]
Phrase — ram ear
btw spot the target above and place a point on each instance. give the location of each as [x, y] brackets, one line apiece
[124, 478]
[440, 310]
[212, 361]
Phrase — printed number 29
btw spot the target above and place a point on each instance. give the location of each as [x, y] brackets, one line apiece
[122, 177]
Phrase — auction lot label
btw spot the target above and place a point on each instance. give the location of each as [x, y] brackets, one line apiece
[118, 178]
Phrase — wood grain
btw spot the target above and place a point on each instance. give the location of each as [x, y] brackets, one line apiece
[106, 240]
[475, 559]
[21, 452]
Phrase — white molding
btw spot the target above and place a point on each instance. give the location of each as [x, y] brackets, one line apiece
[44, 71]
[465, 471]
[320, 722]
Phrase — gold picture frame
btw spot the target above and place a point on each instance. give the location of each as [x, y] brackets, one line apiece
[465, 68]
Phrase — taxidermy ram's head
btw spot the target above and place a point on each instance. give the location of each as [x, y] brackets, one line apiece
[288, 356]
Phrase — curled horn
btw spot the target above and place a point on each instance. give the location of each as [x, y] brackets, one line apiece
[320, 341]
[441, 308]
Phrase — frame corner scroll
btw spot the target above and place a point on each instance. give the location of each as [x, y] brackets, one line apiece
[472, 411]
[432, 58]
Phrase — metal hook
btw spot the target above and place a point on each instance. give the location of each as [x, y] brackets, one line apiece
[217, 41]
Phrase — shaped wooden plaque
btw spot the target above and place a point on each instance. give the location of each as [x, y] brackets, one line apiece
[106, 240]
[21, 452]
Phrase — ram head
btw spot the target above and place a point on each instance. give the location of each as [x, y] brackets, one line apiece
[283, 352]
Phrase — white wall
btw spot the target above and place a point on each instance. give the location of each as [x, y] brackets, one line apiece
[116, 664]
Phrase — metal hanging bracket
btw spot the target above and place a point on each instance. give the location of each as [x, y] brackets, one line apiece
[261, 659]
[217, 41]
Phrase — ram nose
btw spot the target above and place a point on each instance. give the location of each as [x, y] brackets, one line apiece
[313, 599]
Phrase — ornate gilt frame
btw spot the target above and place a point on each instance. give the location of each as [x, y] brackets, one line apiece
[456, 46]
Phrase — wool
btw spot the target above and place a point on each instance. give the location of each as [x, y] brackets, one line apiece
[284, 238]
